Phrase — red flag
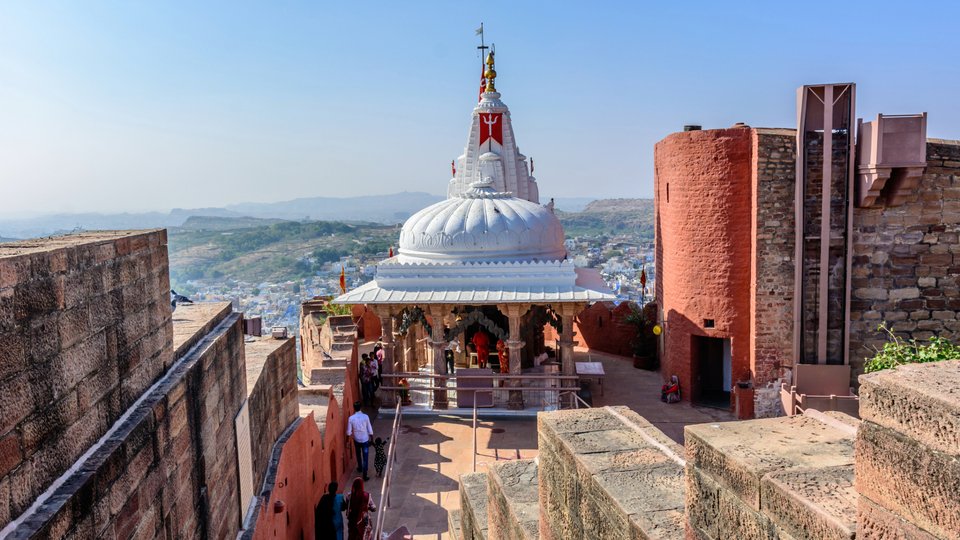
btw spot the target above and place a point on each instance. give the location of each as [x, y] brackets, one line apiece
[391, 252]
[491, 127]
[343, 281]
[453, 168]
[531, 165]
[643, 278]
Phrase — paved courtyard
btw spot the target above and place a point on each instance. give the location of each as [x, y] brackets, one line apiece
[433, 452]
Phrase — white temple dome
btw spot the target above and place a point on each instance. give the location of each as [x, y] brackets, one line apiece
[482, 225]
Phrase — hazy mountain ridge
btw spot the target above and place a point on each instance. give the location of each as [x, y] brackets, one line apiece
[387, 209]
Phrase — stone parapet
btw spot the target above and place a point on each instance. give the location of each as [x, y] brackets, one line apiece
[608, 473]
[473, 506]
[84, 331]
[771, 478]
[907, 466]
[169, 466]
[513, 512]
[271, 394]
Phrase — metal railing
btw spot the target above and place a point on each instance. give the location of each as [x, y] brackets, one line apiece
[388, 473]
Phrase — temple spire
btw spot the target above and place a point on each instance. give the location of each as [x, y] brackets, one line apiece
[490, 74]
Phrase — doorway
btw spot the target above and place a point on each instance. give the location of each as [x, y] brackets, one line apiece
[711, 369]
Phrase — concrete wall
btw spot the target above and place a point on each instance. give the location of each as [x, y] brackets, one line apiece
[273, 398]
[906, 268]
[84, 330]
[703, 226]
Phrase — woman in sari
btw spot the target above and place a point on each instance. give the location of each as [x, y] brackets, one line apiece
[358, 503]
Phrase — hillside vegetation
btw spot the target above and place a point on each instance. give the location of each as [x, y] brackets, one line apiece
[255, 250]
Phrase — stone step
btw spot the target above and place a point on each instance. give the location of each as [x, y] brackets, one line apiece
[473, 506]
[774, 477]
[455, 524]
[513, 507]
[608, 473]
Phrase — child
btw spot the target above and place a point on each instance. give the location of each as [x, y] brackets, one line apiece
[380, 461]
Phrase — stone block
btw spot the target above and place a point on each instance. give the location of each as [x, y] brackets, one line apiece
[513, 511]
[812, 504]
[608, 473]
[916, 482]
[473, 505]
[738, 454]
[918, 400]
[876, 522]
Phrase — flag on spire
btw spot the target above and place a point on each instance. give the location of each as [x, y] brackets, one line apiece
[343, 281]
[391, 252]
[643, 277]
[531, 165]
[453, 167]
[479, 31]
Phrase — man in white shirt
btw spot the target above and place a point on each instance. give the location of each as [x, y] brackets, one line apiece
[452, 347]
[360, 429]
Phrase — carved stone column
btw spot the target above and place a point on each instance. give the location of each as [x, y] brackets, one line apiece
[568, 367]
[515, 345]
[437, 345]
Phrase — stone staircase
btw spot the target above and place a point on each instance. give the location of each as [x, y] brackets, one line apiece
[608, 473]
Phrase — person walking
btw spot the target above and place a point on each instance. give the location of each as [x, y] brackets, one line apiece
[360, 429]
[359, 503]
[380, 461]
[328, 516]
[452, 348]
[366, 381]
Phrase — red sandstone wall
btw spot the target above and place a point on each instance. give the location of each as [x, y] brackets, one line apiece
[704, 244]
[299, 482]
[601, 328]
[368, 323]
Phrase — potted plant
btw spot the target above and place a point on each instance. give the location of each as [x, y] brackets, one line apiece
[643, 342]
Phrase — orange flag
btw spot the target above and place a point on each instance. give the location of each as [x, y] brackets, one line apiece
[343, 281]
[391, 252]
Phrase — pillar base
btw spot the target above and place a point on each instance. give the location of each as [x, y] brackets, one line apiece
[515, 402]
[440, 400]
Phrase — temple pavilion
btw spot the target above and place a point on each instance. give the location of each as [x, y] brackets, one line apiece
[490, 258]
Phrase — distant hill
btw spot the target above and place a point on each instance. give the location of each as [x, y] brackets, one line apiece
[260, 249]
[391, 209]
[612, 217]
[215, 223]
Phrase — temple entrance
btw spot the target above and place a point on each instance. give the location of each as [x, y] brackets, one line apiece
[710, 365]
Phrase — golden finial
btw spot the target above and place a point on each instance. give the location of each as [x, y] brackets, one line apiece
[490, 74]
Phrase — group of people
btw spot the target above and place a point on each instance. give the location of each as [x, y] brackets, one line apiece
[328, 515]
[371, 374]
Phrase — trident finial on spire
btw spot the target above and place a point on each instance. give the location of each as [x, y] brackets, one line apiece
[490, 74]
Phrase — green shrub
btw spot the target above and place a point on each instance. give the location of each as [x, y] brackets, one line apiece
[897, 352]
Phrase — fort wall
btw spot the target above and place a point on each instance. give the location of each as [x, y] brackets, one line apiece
[84, 330]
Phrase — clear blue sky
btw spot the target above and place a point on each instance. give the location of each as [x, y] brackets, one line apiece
[108, 106]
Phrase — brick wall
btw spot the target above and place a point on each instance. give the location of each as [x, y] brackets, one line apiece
[702, 200]
[272, 401]
[84, 330]
[169, 468]
[906, 268]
